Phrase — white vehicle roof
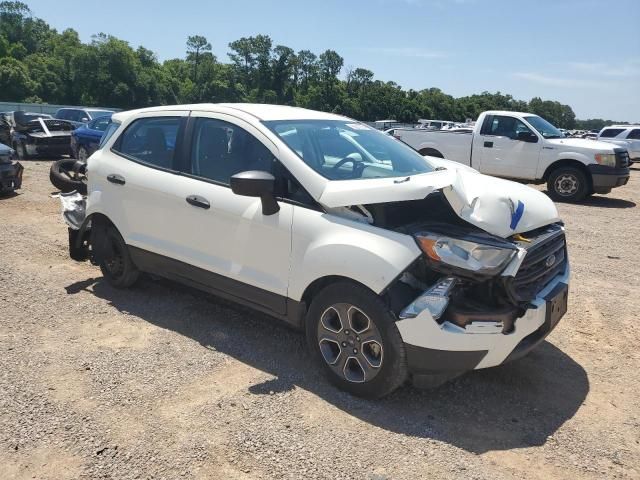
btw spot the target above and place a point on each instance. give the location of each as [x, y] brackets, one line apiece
[256, 110]
[620, 126]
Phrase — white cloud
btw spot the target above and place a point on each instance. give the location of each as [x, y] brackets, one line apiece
[553, 81]
[622, 69]
[411, 52]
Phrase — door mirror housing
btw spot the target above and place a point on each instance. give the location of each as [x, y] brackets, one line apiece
[256, 183]
[528, 137]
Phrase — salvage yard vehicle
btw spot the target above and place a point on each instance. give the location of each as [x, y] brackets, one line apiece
[10, 171]
[395, 266]
[625, 136]
[524, 146]
[81, 116]
[32, 137]
[86, 138]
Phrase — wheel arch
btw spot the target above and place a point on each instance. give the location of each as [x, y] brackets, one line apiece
[567, 163]
[431, 152]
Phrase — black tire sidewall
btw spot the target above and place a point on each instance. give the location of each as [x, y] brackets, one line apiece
[583, 185]
[130, 272]
[61, 181]
[393, 371]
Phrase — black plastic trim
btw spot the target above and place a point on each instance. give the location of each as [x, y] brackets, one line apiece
[279, 306]
[422, 360]
[534, 339]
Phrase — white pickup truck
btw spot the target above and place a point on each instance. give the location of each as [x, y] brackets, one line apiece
[524, 146]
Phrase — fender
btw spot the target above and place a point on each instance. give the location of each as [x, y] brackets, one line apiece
[550, 157]
[337, 246]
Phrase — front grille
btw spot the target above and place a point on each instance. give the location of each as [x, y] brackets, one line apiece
[622, 158]
[536, 270]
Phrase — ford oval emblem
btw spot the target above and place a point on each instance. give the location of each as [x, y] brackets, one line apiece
[550, 261]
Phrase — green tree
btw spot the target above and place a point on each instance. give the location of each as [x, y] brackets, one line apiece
[197, 45]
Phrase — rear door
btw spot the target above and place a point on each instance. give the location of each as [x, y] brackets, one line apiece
[137, 181]
[501, 153]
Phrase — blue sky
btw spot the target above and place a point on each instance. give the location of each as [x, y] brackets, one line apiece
[585, 53]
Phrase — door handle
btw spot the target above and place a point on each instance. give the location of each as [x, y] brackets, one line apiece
[198, 201]
[488, 144]
[117, 179]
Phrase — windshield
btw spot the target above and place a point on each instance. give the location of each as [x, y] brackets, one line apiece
[341, 150]
[110, 130]
[543, 127]
[98, 113]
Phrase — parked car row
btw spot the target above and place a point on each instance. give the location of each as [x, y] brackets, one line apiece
[72, 131]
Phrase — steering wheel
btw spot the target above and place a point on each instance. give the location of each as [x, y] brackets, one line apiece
[358, 166]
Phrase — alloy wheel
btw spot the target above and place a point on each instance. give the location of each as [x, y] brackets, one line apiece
[350, 343]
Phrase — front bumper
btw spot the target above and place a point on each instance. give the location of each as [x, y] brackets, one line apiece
[605, 178]
[434, 348]
[48, 149]
[10, 176]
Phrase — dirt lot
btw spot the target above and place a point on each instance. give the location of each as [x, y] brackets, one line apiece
[165, 382]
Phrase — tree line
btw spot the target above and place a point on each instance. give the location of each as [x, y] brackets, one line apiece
[40, 65]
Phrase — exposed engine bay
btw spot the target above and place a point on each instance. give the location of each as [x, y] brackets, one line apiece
[496, 295]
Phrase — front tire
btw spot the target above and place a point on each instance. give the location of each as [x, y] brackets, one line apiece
[115, 262]
[568, 184]
[353, 336]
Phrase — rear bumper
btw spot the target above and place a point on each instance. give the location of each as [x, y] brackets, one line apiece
[605, 178]
[445, 348]
[10, 176]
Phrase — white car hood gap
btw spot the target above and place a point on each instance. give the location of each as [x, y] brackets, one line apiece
[497, 206]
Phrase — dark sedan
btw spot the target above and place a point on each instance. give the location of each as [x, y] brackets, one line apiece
[85, 139]
[10, 171]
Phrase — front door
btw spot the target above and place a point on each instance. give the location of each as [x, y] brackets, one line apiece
[502, 154]
[224, 233]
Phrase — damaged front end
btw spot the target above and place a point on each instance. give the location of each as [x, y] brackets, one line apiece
[43, 137]
[473, 299]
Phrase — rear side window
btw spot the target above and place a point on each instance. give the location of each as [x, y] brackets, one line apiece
[150, 140]
[611, 132]
[634, 134]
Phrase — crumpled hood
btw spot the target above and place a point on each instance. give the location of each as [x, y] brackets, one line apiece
[497, 206]
[582, 143]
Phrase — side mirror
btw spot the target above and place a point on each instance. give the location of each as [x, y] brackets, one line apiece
[529, 137]
[256, 183]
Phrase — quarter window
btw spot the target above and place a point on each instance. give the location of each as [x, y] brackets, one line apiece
[634, 134]
[150, 140]
[220, 150]
[611, 132]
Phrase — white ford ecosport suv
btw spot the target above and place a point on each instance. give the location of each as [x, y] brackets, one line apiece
[395, 265]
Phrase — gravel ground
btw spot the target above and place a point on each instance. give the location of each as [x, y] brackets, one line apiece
[161, 381]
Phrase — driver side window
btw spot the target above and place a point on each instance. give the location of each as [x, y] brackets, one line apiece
[503, 126]
[221, 149]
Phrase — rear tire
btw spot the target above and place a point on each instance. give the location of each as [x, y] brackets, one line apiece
[568, 184]
[353, 336]
[115, 261]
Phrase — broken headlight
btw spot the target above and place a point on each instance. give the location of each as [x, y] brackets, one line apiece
[471, 256]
